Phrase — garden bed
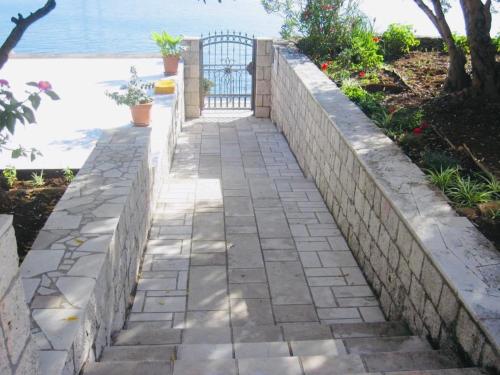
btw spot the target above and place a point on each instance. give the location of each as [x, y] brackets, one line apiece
[458, 131]
[31, 205]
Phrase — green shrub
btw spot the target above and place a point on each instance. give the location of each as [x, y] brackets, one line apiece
[466, 192]
[68, 174]
[436, 160]
[10, 176]
[492, 185]
[406, 119]
[369, 103]
[496, 42]
[365, 51]
[443, 178]
[37, 180]
[398, 40]
[461, 42]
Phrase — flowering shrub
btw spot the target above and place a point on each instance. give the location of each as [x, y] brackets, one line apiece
[327, 26]
[496, 42]
[13, 111]
[398, 40]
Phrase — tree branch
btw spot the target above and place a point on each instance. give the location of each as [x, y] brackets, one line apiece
[22, 25]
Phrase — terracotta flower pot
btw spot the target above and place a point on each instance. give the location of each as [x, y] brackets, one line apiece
[170, 63]
[141, 114]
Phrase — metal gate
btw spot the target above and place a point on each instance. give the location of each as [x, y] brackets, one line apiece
[227, 71]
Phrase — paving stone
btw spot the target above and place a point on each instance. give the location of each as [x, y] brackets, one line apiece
[317, 347]
[208, 226]
[244, 251]
[337, 259]
[200, 352]
[142, 336]
[430, 360]
[272, 224]
[249, 291]
[280, 255]
[165, 304]
[268, 366]
[219, 335]
[261, 350]
[294, 313]
[157, 284]
[287, 283]
[210, 259]
[208, 246]
[338, 365]
[251, 312]
[209, 319]
[386, 344]
[257, 334]
[129, 368]
[208, 288]
[338, 313]
[216, 366]
[243, 276]
[238, 206]
[138, 353]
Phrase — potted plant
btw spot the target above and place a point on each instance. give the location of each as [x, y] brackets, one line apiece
[206, 86]
[135, 95]
[170, 48]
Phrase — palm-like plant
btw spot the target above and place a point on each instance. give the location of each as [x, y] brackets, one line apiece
[169, 45]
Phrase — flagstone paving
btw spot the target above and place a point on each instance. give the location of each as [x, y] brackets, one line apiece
[245, 272]
[240, 237]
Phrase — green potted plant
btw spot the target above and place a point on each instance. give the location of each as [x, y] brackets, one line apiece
[170, 48]
[135, 95]
[206, 86]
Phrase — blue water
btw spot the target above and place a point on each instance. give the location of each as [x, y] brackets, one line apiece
[124, 26]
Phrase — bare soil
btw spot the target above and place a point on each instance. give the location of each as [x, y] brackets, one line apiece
[30, 206]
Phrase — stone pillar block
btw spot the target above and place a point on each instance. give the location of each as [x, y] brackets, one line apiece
[191, 57]
[263, 68]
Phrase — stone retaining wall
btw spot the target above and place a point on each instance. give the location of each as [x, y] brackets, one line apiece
[81, 271]
[18, 353]
[428, 266]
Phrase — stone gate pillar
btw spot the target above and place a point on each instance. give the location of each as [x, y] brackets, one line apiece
[263, 66]
[191, 57]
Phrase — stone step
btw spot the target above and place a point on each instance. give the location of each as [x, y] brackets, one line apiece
[316, 365]
[452, 371]
[129, 368]
[145, 335]
[397, 363]
[265, 349]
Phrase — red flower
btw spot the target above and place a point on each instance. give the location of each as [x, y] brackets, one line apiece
[44, 86]
[362, 74]
[376, 39]
[4, 82]
[392, 110]
[324, 67]
[418, 131]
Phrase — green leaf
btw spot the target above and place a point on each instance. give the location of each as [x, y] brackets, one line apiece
[10, 122]
[35, 100]
[17, 153]
[51, 94]
[28, 114]
[33, 84]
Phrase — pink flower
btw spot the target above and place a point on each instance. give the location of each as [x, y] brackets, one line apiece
[44, 85]
[362, 74]
[418, 131]
[4, 82]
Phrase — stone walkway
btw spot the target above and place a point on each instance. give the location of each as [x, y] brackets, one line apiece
[241, 238]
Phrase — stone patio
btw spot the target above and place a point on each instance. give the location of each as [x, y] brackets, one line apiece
[241, 238]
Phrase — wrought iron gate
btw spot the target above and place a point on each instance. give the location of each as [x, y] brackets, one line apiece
[227, 71]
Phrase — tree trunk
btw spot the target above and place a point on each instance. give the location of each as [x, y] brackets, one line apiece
[485, 81]
[457, 78]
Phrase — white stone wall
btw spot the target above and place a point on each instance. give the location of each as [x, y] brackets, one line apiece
[191, 57]
[82, 268]
[428, 266]
[263, 63]
[18, 353]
